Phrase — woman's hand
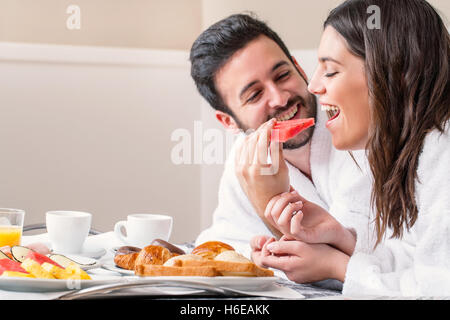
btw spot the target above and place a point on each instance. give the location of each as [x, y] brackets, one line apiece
[306, 221]
[303, 262]
[259, 179]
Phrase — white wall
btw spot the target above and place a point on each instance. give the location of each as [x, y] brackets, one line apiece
[89, 128]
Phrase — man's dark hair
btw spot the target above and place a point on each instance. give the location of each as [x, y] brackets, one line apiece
[217, 44]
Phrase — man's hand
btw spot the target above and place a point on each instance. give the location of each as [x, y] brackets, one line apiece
[259, 179]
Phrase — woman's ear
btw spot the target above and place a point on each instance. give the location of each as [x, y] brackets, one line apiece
[300, 69]
[226, 120]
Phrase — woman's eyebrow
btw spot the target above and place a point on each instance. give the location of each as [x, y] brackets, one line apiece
[324, 59]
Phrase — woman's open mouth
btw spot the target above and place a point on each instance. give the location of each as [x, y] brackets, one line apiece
[332, 111]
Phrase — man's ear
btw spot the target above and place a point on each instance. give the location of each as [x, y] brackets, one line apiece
[226, 120]
[302, 72]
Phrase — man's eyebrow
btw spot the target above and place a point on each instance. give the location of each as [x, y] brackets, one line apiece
[324, 59]
[251, 84]
[248, 86]
[279, 64]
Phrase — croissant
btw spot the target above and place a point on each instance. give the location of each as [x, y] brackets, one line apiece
[211, 249]
[173, 249]
[153, 255]
[126, 261]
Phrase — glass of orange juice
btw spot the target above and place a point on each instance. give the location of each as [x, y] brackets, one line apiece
[11, 224]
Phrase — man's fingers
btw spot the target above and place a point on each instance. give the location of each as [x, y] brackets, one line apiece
[257, 242]
[276, 152]
[264, 250]
[262, 145]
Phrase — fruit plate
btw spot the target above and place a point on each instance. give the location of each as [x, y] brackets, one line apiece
[48, 285]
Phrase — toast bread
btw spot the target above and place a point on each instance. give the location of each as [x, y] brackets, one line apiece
[160, 270]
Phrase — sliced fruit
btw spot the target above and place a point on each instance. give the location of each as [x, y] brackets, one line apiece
[20, 253]
[66, 261]
[4, 255]
[55, 271]
[10, 265]
[34, 268]
[16, 274]
[76, 272]
[40, 258]
[285, 130]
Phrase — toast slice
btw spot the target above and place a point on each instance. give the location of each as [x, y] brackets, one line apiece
[227, 268]
[160, 270]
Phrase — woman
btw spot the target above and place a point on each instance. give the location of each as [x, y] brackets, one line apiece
[390, 87]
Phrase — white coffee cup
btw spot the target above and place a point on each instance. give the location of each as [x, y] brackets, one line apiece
[67, 230]
[143, 228]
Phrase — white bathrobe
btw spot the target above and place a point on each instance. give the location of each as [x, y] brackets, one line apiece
[338, 185]
[418, 264]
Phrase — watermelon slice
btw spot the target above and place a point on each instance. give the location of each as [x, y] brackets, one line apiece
[40, 258]
[10, 265]
[289, 129]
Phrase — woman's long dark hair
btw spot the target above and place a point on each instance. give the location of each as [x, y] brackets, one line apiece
[407, 69]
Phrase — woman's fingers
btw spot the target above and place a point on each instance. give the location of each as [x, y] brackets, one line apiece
[268, 211]
[296, 227]
[288, 214]
[277, 262]
[282, 202]
[294, 248]
[282, 254]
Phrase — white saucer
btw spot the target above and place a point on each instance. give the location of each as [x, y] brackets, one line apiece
[94, 253]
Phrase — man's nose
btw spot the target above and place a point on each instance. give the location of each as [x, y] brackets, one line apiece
[278, 97]
[315, 86]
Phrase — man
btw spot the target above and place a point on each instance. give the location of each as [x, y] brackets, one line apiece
[246, 73]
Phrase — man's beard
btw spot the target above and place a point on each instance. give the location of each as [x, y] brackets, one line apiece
[310, 111]
[303, 138]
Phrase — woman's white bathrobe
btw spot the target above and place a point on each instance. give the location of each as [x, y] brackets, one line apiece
[419, 263]
[338, 185]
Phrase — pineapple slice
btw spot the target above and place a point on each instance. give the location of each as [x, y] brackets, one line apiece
[76, 272]
[17, 274]
[57, 272]
[36, 269]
